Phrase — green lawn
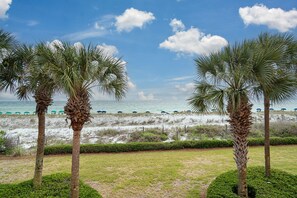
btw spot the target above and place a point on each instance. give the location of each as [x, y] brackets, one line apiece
[185, 173]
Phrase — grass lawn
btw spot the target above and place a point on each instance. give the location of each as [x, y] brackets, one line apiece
[185, 173]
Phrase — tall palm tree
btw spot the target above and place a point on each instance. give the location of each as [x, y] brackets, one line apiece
[77, 69]
[225, 82]
[20, 72]
[277, 50]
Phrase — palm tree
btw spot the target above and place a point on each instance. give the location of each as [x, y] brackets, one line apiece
[226, 84]
[277, 50]
[21, 72]
[7, 41]
[8, 46]
[77, 69]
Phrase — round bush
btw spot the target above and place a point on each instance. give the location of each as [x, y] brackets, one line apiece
[280, 184]
[56, 185]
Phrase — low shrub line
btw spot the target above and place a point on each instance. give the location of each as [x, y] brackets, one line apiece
[151, 146]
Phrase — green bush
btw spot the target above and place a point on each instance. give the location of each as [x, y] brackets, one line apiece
[280, 184]
[152, 135]
[149, 146]
[277, 129]
[208, 131]
[8, 146]
[108, 132]
[56, 185]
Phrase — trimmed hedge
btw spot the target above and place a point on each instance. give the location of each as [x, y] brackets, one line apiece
[56, 185]
[280, 184]
[150, 146]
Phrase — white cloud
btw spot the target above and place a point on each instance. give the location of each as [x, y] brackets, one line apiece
[98, 26]
[274, 18]
[130, 84]
[108, 50]
[133, 18]
[32, 23]
[180, 78]
[189, 87]
[4, 7]
[90, 33]
[193, 41]
[106, 22]
[177, 25]
[142, 96]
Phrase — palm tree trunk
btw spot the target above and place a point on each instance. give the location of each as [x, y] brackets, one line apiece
[240, 124]
[75, 164]
[77, 110]
[240, 152]
[267, 134]
[40, 151]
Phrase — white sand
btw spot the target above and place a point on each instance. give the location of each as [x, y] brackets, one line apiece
[24, 128]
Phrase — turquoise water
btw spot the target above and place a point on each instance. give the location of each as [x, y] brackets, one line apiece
[124, 106]
[108, 106]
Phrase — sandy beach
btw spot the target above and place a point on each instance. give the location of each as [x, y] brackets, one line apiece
[23, 128]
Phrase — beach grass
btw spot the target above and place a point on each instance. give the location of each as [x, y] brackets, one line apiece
[184, 173]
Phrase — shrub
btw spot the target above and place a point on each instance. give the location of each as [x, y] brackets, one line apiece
[208, 131]
[9, 146]
[277, 129]
[56, 185]
[152, 135]
[108, 132]
[149, 146]
[280, 184]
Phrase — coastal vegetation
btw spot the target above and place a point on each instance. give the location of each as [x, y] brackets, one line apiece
[225, 86]
[227, 81]
[159, 146]
[21, 73]
[278, 50]
[76, 70]
[178, 173]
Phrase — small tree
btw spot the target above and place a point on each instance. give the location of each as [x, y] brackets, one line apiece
[277, 51]
[226, 82]
[77, 69]
[21, 73]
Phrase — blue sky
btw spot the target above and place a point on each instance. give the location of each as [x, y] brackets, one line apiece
[157, 38]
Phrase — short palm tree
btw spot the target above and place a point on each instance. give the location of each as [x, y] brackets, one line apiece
[225, 83]
[20, 72]
[77, 69]
[277, 51]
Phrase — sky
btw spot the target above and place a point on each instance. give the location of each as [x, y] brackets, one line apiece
[159, 39]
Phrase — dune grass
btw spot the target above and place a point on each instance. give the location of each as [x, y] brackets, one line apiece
[185, 173]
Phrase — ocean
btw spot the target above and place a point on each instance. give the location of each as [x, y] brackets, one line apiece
[155, 106]
[108, 106]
